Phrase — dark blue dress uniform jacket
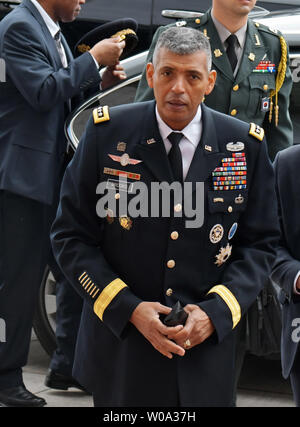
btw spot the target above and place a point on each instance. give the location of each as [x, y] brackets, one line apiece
[287, 263]
[114, 269]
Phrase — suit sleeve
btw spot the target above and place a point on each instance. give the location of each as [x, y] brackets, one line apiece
[29, 67]
[286, 267]
[76, 241]
[253, 252]
[281, 136]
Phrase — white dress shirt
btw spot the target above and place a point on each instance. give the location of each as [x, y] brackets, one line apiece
[52, 26]
[224, 33]
[189, 142]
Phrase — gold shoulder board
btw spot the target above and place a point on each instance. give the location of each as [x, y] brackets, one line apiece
[256, 131]
[101, 114]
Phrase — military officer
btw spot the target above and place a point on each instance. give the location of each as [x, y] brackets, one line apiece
[132, 265]
[254, 80]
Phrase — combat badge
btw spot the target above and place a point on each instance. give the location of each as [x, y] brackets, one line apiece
[235, 146]
[125, 222]
[216, 233]
[223, 255]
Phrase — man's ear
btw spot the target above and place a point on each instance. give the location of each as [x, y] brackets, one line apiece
[149, 74]
[212, 77]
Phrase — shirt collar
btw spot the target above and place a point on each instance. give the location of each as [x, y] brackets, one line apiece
[52, 26]
[224, 33]
[192, 131]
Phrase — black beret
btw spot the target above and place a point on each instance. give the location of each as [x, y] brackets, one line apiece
[125, 28]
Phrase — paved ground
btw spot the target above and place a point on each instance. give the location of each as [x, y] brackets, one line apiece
[261, 384]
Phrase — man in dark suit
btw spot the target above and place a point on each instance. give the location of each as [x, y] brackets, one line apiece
[131, 258]
[286, 270]
[42, 77]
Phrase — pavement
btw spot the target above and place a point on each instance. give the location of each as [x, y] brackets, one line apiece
[260, 385]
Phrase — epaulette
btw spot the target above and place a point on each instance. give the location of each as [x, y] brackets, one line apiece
[273, 31]
[281, 71]
[256, 131]
[101, 114]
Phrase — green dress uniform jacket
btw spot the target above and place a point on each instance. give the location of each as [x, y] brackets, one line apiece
[117, 262]
[244, 96]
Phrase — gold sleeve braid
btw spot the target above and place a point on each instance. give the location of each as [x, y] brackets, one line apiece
[279, 81]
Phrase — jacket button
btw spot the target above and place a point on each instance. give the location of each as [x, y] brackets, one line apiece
[236, 88]
[230, 209]
[174, 235]
[169, 292]
[171, 264]
[266, 87]
[234, 112]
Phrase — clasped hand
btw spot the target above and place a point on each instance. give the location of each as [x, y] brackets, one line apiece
[171, 340]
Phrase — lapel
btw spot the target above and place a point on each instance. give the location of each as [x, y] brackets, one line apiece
[50, 43]
[254, 48]
[153, 154]
[205, 161]
[219, 55]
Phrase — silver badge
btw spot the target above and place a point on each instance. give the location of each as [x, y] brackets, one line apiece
[235, 146]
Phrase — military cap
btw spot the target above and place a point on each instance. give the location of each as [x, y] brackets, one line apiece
[125, 28]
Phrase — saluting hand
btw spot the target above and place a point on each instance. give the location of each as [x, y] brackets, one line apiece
[108, 51]
[146, 319]
[197, 329]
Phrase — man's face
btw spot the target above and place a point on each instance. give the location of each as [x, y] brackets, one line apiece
[67, 10]
[237, 7]
[180, 83]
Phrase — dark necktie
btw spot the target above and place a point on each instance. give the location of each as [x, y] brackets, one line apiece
[60, 49]
[231, 41]
[175, 158]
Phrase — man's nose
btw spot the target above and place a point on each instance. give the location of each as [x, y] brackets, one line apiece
[179, 85]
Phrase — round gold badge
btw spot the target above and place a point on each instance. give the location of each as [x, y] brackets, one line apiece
[216, 233]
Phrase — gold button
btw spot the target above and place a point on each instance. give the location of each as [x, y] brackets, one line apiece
[230, 209]
[178, 208]
[171, 263]
[198, 21]
[174, 235]
[169, 292]
[236, 88]
[266, 87]
[233, 112]
[257, 24]
[117, 196]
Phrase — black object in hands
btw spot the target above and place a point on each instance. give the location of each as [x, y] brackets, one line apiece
[177, 316]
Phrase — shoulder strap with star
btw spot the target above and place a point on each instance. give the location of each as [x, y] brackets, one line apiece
[101, 114]
[256, 131]
[281, 70]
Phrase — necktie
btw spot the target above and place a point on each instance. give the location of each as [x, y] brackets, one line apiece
[175, 158]
[60, 49]
[231, 41]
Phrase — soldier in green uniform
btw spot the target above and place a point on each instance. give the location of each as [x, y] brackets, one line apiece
[254, 80]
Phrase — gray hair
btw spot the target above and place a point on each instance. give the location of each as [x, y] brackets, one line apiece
[183, 41]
